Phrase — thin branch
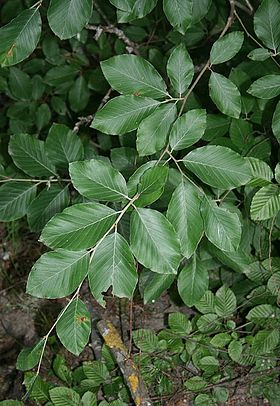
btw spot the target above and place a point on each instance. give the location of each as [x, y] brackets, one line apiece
[131, 47]
[208, 64]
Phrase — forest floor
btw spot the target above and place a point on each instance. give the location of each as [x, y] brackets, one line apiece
[23, 319]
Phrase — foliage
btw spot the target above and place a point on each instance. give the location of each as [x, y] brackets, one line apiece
[175, 184]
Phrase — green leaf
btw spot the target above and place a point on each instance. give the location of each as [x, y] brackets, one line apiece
[241, 133]
[225, 95]
[184, 213]
[265, 341]
[262, 313]
[15, 198]
[61, 369]
[153, 130]
[46, 205]
[123, 114]
[74, 327]
[79, 95]
[29, 357]
[78, 227]
[43, 116]
[154, 242]
[222, 227]
[203, 400]
[154, 285]
[206, 303]
[273, 284]
[89, 399]
[259, 54]
[220, 394]
[196, 383]
[261, 172]
[220, 340]
[68, 17]
[180, 69]
[179, 323]
[146, 340]
[112, 265]
[218, 166]
[57, 274]
[151, 185]
[61, 396]
[98, 180]
[235, 350]
[267, 87]
[139, 8]
[20, 84]
[178, 13]
[96, 371]
[130, 74]
[20, 37]
[63, 146]
[276, 122]
[267, 23]
[193, 281]
[225, 302]
[125, 5]
[208, 323]
[29, 154]
[277, 173]
[133, 181]
[265, 203]
[226, 47]
[188, 129]
[37, 389]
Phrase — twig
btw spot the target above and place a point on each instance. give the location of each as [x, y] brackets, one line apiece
[129, 370]
[244, 8]
[131, 47]
[208, 64]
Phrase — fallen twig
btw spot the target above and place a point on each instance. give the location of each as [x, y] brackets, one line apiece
[129, 370]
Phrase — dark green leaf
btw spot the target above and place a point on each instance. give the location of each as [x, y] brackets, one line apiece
[178, 13]
[180, 69]
[151, 185]
[267, 23]
[130, 74]
[265, 203]
[225, 95]
[79, 95]
[226, 47]
[61, 396]
[57, 274]
[15, 198]
[29, 357]
[123, 114]
[266, 87]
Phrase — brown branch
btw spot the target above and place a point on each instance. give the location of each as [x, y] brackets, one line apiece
[129, 370]
[131, 47]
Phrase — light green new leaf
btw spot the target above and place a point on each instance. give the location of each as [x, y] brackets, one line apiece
[226, 47]
[15, 198]
[96, 371]
[184, 214]
[79, 95]
[78, 227]
[267, 87]
[63, 146]
[29, 154]
[74, 327]
[225, 95]
[46, 205]
[218, 166]
[28, 358]
[265, 341]
[276, 122]
[179, 323]
[130, 74]
[265, 203]
[153, 130]
[154, 242]
[61, 396]
[57, 273]
[222, 227]
[262, 313]
[261, 172]
[267, 23]
[178, 13]
[154, 284]
[206, 303]
[193, 281]
[98, 180]
[146, 340]
[225, 302]
[180, 69]
[68, 17]
[112, 265]
[123, 114]
[20, 37]
[151, 185]
[188, 129]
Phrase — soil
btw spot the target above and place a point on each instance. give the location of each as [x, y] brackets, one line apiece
[23, 319]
